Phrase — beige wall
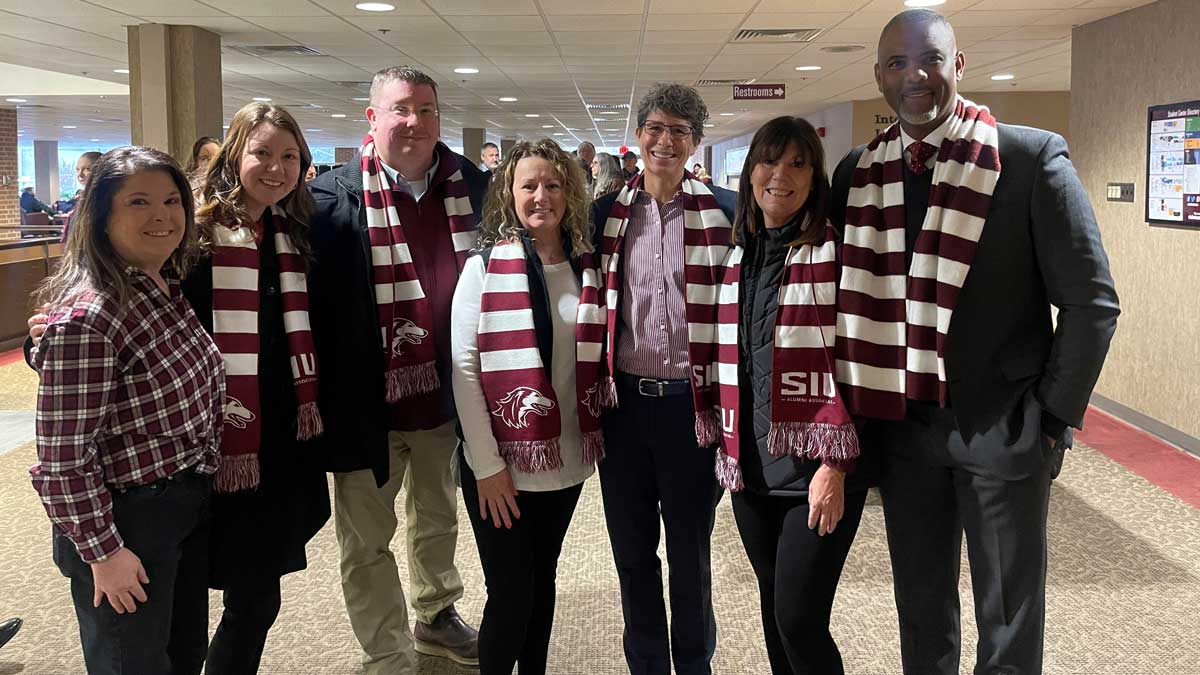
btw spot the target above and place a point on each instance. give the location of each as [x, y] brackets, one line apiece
[1120, 66]
[1042, 109]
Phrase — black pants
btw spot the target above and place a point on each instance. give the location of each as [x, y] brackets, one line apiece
[798, 573]
[166, 525]
[250, 610]
[653, 468]
[929, 500]
[519, 569]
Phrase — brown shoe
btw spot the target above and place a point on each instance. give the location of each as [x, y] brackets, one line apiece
[448, 637]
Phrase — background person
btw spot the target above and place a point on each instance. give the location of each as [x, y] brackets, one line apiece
[83, 168]
[629, 165]
[489, 156]
[129, 421]
[971, 410]
[789, 443]
[203, 151]
[31, 204]
[524, 468]
[606, 175]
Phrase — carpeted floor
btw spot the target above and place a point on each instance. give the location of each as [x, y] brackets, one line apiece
[1124, 587]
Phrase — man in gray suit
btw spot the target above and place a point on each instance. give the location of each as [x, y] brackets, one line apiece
[979, 457]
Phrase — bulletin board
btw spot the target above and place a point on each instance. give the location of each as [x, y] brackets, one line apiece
[1173, 164]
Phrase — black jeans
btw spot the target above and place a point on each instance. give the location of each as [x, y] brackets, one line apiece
[166, 525]
[798, 573]
[519, 569]
[250, 611]
[653, 469]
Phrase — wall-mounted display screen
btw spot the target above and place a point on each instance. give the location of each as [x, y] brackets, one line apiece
[1173, 169]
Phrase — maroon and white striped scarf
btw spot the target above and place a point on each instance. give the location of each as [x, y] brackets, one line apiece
[706, 237]
[808, 417]
[235, 330]
[891, 325]
[521, 398]
[405, 317]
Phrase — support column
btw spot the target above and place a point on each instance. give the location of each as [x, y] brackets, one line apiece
[506, 146]
[174, 86]
[10, 209]
[45, 170]
[473, 140]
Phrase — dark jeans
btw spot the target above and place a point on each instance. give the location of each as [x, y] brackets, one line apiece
[653, 469]
[519, 569]
[250, 611]
[166, 525]
[798, 573]
[929, 501]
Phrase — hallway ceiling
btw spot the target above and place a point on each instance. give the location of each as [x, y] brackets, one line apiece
[555, 56]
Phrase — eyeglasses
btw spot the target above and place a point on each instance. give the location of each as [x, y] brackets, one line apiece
[424, 112]
[678, 131]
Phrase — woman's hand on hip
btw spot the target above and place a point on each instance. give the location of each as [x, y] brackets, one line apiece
[826, 499]
[498, 497]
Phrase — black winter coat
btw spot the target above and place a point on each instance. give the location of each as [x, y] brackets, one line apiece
[763, 473]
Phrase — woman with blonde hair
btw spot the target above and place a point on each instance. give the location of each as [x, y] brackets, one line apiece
[129, 420]
[526, 365]
[606, 174]
[250, 291]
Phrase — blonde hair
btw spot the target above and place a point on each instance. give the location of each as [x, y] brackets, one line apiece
[89, 259]
[500, 222]
[221, 200]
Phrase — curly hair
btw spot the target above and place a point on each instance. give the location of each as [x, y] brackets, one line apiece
[677, 100]
[500, 221]
[221, 199]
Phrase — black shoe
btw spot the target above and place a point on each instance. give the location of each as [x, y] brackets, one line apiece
[448, 637]
[8, 630]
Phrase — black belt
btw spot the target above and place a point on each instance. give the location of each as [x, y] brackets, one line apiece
[648, 386]
[185, 476]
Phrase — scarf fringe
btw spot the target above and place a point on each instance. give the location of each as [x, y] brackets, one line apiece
[813, 440]
[593, 447]
[708, 427]
[237, 473]
[729, 472]
[532, 456]
[407, 381]
[308, 422]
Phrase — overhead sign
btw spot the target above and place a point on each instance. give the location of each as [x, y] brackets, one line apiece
[758, 92]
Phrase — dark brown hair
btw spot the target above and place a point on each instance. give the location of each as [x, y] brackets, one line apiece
[770, 142]
[194, 161]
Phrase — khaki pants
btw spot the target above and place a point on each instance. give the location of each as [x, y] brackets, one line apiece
[365, 519]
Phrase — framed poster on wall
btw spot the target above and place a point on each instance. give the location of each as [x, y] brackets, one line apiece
[1173, 164]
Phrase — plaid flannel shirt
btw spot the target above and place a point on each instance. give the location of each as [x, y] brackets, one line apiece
[128, 396]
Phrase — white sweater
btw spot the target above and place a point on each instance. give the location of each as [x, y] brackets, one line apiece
[480, 447]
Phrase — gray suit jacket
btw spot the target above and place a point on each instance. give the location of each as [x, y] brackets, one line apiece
[1005, 360]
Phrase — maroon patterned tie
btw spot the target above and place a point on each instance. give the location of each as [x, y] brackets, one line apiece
[919, 152]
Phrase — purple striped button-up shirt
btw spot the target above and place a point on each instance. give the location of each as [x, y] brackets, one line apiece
[652, 340]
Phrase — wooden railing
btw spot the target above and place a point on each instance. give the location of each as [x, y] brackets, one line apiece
[24, 263]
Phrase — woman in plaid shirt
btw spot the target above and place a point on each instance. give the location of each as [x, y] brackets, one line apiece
[128, 422]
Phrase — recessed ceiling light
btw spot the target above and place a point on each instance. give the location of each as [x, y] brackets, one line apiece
[547, 126]
[709, 125]
[728, 114]
[375, 7]
[94, 140]
[803, 68]
[466, 71]
[69, 126]
[16, 100]
[361, 98]
[121, 71]
[559, 133]
[610, 112]
[338, 115]
[314, 130]
[262, 99]
[532, 115]
[923, 3]
[508, 99]
[1001, 77]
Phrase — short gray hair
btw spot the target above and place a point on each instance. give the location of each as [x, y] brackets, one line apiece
[677, 100]
[413, 76]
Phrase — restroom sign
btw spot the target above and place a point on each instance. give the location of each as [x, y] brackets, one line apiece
[758, 92]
